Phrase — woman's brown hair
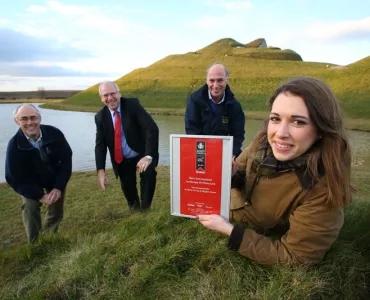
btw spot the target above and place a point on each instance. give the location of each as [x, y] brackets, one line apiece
[332, 149]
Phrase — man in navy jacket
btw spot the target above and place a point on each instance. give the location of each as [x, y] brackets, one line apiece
[213, 110]
[38, 167]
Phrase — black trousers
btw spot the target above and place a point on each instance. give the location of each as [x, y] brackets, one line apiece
[127, 174]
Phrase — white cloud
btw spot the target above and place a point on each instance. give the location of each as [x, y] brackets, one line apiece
[357, 29]
[316, 50]
[73, 10]
[37, 9]
[113, 45]
[231, 6]
[103, 32]
[222, 23]
[115, 39]
[207, 22]
[82, 26]
[232, 16]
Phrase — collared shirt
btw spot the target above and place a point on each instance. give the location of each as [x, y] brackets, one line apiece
[210, 98]
[127, 151]
[38, 145]
[216, 107]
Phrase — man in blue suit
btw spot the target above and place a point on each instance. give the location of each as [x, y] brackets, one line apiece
[125, 128]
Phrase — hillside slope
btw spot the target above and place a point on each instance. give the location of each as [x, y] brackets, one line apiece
[168, 82]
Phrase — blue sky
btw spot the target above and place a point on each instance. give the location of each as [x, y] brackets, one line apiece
[65, 44]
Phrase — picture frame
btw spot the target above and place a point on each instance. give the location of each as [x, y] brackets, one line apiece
[200, 174]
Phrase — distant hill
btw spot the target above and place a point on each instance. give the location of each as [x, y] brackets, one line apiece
[45, 94]
[256, 49]
[168, 82]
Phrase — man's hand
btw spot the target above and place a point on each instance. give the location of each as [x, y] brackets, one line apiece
[217, 223]
[54, 195]
[45, 199]
[143, 164]
[103, 179]
[51, 197]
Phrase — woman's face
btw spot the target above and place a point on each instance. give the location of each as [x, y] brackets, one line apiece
[290, 131]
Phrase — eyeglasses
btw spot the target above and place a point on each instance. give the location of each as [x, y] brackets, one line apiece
[109, 94]
[25, 119]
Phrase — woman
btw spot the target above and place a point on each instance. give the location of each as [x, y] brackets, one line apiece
[292, 180]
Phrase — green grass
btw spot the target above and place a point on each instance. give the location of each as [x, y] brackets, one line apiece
[104, 252]
[165, 86]
[230, 47]
[222, 46]
[167, 83]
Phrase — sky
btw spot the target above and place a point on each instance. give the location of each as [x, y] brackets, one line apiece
[74, 44]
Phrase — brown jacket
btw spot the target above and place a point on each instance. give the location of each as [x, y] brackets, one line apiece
[282, 202]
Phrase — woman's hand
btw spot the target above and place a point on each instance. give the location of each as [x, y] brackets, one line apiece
[217, 223]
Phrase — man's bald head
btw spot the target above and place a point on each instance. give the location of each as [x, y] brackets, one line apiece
[217, 79]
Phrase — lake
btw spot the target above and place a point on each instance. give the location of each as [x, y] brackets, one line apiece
[79, 130]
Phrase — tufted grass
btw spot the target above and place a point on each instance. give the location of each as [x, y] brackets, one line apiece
[104, 252]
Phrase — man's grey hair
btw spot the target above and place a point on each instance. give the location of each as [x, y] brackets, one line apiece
[108, 82]
[15, 112]
[215, 64]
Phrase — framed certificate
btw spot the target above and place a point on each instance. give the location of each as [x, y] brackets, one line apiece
[200, 171]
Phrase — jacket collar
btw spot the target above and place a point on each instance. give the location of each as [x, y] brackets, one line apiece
[202, 94]
[112, 111]
[24, 144]
[120, 109]
[305, 179]
[266, 164]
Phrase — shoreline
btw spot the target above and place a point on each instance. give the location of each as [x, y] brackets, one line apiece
[351, 123]
[31, 101]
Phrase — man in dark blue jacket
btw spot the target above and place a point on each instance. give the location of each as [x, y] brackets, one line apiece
[213, 110]
[38, 167]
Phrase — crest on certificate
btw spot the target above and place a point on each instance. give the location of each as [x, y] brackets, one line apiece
[200, 163]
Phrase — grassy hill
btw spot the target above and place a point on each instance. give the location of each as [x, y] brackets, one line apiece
[168, 82]
[104, 252]
[254, 49]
